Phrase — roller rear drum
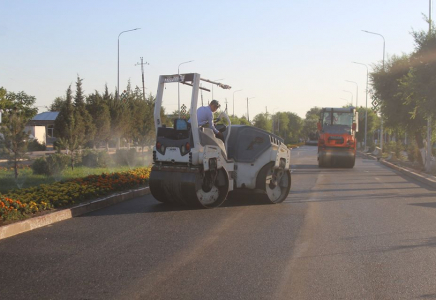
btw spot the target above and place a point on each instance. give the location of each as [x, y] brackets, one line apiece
[198, 189]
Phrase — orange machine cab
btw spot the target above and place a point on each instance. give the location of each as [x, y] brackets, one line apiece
[337, 129]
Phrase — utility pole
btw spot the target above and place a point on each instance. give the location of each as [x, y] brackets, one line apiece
[226, 106]
[248, 116]
[142, 70]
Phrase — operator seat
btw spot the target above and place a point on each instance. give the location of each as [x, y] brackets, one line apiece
[207, 137]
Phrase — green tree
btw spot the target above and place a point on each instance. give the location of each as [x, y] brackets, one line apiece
[19, 101]
[310, 129]
[424, 71]
[423, 77]
[294, 128]
[57, 103]
[19, 109]
[84, 127]
[119, 113]
[395, 87]
[389, 87]
[4, 101]
[65, 127]
[243, 121]
[14, 139]
[235, 120]
[372, 124]
[143, 120]
[99, 112]
[263, 121]
[280, 124]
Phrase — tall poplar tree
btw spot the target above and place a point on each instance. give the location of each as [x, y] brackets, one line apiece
[84, 124]
[65, 127]
[119, 113]
[99, 112]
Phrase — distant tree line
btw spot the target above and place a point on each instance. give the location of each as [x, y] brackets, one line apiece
[99, 119]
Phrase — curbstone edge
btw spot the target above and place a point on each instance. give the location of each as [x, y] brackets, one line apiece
[423, 178]
[64, 214]
[426, 179]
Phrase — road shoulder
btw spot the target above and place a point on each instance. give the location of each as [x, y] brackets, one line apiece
[427, 179]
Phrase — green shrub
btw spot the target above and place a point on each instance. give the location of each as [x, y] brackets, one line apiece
[293, 140]
[433, 150]
[52, 164]
[58, 146]
[388, 147]
[125, 157]
[95, 159]
[36, 146]
[40, 166]
[371, 145]
[398, 148]
[58, 162]
[413, 153]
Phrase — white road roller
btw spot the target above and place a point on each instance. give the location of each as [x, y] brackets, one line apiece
[193, 167]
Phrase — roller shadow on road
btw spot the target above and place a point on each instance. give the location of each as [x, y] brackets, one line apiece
[240, 198]
[147, 204]
[425, 204]
[141, 205]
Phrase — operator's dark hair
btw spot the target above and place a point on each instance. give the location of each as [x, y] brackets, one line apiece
[215, 102]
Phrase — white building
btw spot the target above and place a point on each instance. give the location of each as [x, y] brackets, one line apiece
[42, 127]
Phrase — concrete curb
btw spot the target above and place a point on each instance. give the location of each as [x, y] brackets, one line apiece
[64, 214]
[423, 178]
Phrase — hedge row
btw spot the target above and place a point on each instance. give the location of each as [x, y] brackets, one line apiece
[57, 162]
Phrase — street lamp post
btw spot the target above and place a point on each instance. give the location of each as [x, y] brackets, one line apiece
[234, 101]
[216, 80]
[178, 84]
[351, 96]
[357, 91]
[278, 120]
[118, 71]
[366, 100]
[381, 114]
[248, 117]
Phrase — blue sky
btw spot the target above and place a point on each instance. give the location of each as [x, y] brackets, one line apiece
[289, 55]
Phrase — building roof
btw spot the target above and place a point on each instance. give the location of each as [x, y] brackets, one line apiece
[46, 116]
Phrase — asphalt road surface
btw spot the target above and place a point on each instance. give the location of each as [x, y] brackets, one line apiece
[362, 233]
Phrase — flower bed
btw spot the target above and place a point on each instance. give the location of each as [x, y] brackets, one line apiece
[20, 167]
[18, 204]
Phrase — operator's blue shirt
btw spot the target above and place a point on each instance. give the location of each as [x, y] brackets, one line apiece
[205, 115]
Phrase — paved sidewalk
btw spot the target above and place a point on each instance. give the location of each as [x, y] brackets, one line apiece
[417, 175]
